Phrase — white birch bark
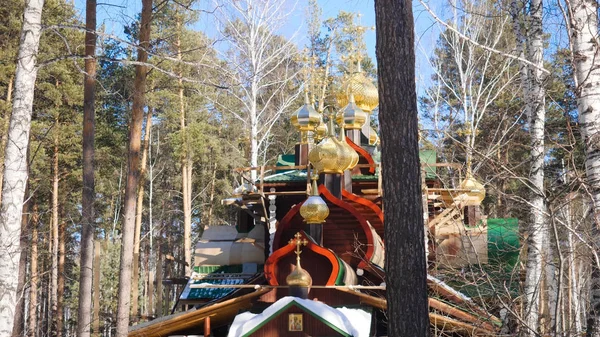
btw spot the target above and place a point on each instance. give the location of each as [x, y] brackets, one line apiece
[584, 41]
[538, 231]
[15, 169]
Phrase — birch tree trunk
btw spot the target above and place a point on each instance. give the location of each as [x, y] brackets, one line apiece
[406, 269]
[584, 41]
[19, 323]
[4, 131]
[133, 173]
[33, 272]
[15, 164]
[538, 229]
[84, 318]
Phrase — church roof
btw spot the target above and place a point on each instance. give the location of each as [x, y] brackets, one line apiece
[347, 322]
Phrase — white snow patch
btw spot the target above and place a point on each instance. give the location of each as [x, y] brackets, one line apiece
[449, 288]
[355, 322]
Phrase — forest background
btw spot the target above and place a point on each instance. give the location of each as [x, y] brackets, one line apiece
[211, 106]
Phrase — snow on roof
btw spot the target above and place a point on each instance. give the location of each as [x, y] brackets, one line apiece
[355, 322]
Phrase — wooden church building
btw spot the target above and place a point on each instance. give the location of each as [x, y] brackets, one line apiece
[306, 257]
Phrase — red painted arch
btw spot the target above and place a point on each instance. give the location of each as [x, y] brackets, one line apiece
[362, 152]
[271, 263]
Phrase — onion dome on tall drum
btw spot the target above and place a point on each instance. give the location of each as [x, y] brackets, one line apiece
[314, 210]
[329, 156]
[365, 92]
[476, 189]
[352, 116]
[306, 118]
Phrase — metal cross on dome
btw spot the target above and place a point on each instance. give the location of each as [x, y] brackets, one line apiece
[298, 241]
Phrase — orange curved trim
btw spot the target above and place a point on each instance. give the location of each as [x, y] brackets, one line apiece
[363, 153]
[271, 263]
[365, 202]
[361, 219]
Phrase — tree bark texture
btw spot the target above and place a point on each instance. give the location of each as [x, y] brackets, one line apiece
[54, 228]
[15, 164]
[186, 167]
[584, 40]
[19, 323]
[406, 269]
[4, 131]
[33, 272]
[62, 227]
[538, 231]
[138, 217]
[84, 318]
[133, 173]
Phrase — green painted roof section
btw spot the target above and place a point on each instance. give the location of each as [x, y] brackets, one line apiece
[287, 176]
[231, 269]
[220, 275]
[212, 293]
[286, 160]
[428, 157]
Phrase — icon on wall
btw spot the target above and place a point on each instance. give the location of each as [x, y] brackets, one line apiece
[295, 322]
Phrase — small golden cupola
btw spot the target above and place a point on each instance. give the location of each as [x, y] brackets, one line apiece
[352, 116]
[321, 129]
[330, 156]
[299, 279]
[314, 210]
[476, 189]
[306, 119]
[365, 92]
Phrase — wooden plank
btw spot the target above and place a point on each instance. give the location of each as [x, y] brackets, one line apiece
[194, 317]
[451, 325]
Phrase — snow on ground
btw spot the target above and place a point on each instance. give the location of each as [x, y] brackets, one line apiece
[355, 322]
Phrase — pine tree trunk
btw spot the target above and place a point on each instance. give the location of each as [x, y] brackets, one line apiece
[584, 41]
[133, 174]
[54, 227]
[15, 164]
[84, 319]
[61, 279]
[406, 269]
[33, 272]
[4, 131]
[186, 165]
[138, 219]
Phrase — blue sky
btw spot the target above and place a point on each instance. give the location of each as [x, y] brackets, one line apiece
[114, 14]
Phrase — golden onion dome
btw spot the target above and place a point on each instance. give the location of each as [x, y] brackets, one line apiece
[329, 156]
[314, 210]
[349, 149]
[352, 117]
[299, 277]
[306, 118]
[476, 189]
[365, 92]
